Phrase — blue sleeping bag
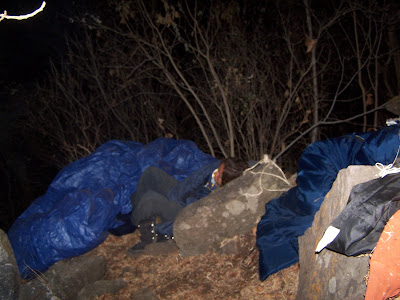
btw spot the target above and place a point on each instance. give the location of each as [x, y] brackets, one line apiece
[288, 216]
[82, 202]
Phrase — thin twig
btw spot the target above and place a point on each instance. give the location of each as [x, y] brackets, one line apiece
[22, 17]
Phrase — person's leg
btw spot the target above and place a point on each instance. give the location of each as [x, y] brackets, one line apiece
[153, 179]
[154, 184]
[147, 236]
[153, 204]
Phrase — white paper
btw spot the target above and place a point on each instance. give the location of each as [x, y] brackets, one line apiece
[330, 234]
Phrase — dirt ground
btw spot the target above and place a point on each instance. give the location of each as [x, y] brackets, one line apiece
[209, 276]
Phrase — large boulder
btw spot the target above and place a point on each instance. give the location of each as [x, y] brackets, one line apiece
[9, 273]
[211, 223]
[79, 277]
[330, 275]
[65, 278]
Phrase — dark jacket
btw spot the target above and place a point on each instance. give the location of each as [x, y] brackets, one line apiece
[190, 190]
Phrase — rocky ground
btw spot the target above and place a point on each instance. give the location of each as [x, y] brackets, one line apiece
[209, 276]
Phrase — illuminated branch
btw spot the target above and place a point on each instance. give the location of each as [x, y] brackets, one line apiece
[23, 17]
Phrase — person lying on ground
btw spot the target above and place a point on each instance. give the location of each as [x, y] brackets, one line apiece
[158, 194]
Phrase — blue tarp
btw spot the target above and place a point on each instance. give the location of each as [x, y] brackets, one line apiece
[288, 216]
[82, 202]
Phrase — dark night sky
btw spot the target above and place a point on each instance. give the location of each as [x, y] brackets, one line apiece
[25, 50]
[28, 44]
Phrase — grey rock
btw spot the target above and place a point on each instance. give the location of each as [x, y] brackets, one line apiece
[393, 105]
[330, 275]
[65, 278]
[9, 273]
[209, 223]
[101, 287]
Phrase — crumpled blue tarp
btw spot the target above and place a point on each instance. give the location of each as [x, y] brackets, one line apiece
[82, 202]
[288, 216]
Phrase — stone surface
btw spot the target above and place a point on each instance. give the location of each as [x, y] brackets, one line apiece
[231, 210]
[393, 105]
[9, 273]
[101, 287]
[330, 275]
[65, 278]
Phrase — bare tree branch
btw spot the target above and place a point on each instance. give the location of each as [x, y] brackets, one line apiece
[22, 17]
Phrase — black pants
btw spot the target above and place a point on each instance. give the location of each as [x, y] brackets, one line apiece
[151, 197]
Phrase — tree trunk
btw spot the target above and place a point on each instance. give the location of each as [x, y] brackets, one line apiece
[314, 133]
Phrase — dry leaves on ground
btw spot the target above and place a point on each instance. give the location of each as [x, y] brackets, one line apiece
[208, 276]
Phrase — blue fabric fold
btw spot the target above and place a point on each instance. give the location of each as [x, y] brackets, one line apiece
[86, 197]
[288, 216]
[192, 188]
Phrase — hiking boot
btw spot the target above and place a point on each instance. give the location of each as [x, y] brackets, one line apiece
[147, 236]
[163, 238]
